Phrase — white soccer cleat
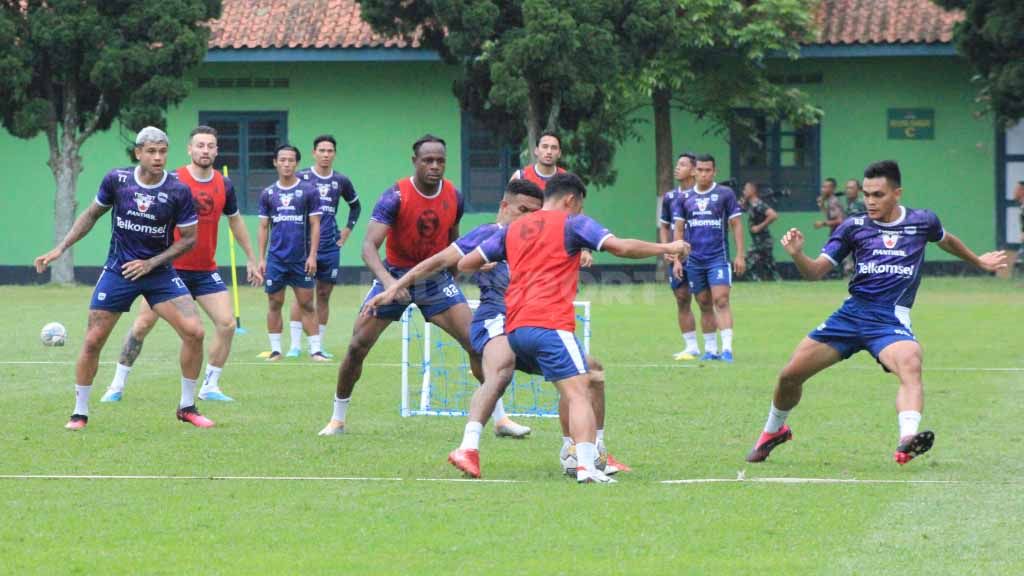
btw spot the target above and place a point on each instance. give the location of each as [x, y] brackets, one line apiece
[333, 428]
[586, 475]
[511, 429]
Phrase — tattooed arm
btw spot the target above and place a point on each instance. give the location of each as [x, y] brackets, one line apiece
[138, 268]
[79, 229]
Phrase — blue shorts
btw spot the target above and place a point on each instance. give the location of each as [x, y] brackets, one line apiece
[488, 325]
[556, 354]
[432, 295]
[115, 293]
[860, 325]
[327, 268]
[201, 283]
[673, 282]
[702, 278]
[281, 274]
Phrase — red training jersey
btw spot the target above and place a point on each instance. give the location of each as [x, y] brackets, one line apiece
[423, 224]
[530, 173]
[212, 198]
[544, 275]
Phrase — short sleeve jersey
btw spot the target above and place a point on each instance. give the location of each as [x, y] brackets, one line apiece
[543, 254]
[419, 225]
[493, 283]
[888, 256]
[530, 173]
[707, 214]
[143, 217]
[330, 191]
[288, 210]
[670, 206]
[212, 198]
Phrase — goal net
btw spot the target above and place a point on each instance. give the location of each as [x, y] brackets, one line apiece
[437, 380]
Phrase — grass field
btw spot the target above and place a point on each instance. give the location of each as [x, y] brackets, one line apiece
[669, 421]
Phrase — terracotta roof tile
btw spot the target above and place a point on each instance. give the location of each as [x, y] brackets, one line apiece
[337, 24]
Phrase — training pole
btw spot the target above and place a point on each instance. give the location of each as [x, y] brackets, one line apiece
[234, 275]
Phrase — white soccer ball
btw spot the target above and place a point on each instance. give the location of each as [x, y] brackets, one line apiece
[54, 334]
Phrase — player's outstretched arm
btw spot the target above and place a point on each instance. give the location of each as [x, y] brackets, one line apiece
[793, 243]
[472, 262]
[447, 258]
[138, 268]
[241, 233]
[639, 249]
[83, 224]
[989, 262]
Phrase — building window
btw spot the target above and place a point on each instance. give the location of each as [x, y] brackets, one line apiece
[487, 165]
[1009, 171]
[781, 156]
[245, 144]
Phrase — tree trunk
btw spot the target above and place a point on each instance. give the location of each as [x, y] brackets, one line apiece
[661, 101]
[66, 165]
[533, 128]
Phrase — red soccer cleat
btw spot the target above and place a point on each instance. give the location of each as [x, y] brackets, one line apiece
[911, 447]
[192, 416]
[767, 442]
[613, 466]
[466, 460]
[77, 422]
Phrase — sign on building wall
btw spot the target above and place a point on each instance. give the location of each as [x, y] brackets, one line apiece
[911, 123]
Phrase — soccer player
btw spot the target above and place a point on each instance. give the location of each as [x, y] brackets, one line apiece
[332, 187]
[683, 173]
[419, 217]
[760, 260]
[705, 212]
[213, 195]
[290, 219]
[487, 331]
[547, 153]
[543, 251]
[888, 245]
[146, 202]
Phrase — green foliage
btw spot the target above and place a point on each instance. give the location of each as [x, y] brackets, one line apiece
[991, 39]
[78, 66]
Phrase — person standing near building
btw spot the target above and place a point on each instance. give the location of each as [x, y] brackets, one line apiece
[760, 260]
[831, 210]
[854, 205]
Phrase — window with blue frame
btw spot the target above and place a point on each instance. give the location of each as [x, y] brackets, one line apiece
[245, 144]
[487, 165]
[778, 156]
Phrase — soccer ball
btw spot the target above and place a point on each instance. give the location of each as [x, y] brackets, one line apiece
[53, 334]
[567, 458]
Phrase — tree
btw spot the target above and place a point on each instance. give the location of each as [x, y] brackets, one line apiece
[991, 37]
[712, 60]
[530, 65]
[70, 68]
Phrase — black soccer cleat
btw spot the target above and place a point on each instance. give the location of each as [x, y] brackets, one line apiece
[911, 447]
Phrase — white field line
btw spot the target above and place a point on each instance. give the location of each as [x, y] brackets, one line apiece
[613, 365]
[809, 481]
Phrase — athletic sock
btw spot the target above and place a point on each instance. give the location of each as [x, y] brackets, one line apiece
[727, 340]
[776, 418]
[296, 331]
[690, 338]
[499, 411]
[600, 435]
[212, 379]
[275, 342]
[340, 408]
[323, 330]
[314, 344]
[82, 399]
[120, 377]
[188, 392]
[711, 343]
[586, 455]
[909, 421]
[471, 436]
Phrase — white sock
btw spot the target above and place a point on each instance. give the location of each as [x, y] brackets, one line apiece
[82, 399]
[314, 344]
[188, 392]
[499, 412]
[776, 418]
[296, 330]
[212, 380]
[711, 343]
[120, 377]
[340, 408]
[909, 421]
[690, 338]
[275, 342]
[471, 436]
[323, 330]
[586, 455]
[727, 340]
[600, 435]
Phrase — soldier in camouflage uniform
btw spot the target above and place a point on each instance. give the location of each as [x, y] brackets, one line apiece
[760, 261]
[854, 205]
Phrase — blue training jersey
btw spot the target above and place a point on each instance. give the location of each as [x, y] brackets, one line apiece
[888, 256]
[331, 191]
[288, 210]
[670, 202]
[707, 214]
[143, 217]
[493, 283]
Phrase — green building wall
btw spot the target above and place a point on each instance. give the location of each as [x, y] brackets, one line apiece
[377, 109]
